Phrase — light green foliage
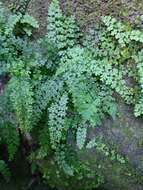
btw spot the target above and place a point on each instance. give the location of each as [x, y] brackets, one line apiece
[81, 135]
[13, 24]
[12, 21]
[123, 33]
[62, 30]
[130, 43]
[60, 86]
[28, 23]
[91, 103]
[103, 148]
[19, 6]
[126, 51]
[25, 22]
[139, 106]
[44, 94]
[22, 100]
[57, 115]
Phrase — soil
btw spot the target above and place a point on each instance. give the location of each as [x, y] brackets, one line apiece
[87, 13]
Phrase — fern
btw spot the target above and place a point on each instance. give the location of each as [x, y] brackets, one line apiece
[8, 126]
[81, 135]
[21, 96]
[62, 31]
[138, 111]
[28, 23]
[44, 94]
[11, 24]
[60, 158]
[57, 115]
[60, 86]
[10, 137]
[19, 6]
[4, 170]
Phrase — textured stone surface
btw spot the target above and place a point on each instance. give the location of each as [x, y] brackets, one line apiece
[124, 134]
[88, 12]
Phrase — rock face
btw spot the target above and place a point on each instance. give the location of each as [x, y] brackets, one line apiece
[120, 153]
[87, 12]
[125, 136]
[117, 155]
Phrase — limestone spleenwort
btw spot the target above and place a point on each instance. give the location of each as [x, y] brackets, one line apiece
[62, 85]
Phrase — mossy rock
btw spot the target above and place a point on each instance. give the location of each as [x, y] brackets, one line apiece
[87, 12]
[116, 162]
[123, 136]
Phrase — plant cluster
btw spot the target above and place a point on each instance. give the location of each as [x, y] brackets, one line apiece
[15, 30]
[64, 84]
[19, 6]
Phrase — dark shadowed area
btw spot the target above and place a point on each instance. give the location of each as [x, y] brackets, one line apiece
[123, 134]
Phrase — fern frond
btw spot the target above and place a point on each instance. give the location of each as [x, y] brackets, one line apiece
[21, 96]
[57, 116]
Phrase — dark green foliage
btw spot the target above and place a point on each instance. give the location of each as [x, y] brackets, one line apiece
[19, 6]
[93, 75]
[4, 170]
[16, 99]
[62, 30]
[63, 85]
[21, 98]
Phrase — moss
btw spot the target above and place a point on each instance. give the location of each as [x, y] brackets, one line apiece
[87, 12]
[128, 132]
[57, 178]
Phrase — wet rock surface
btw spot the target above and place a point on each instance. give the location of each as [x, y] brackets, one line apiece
[125, 136]
[125, 133]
